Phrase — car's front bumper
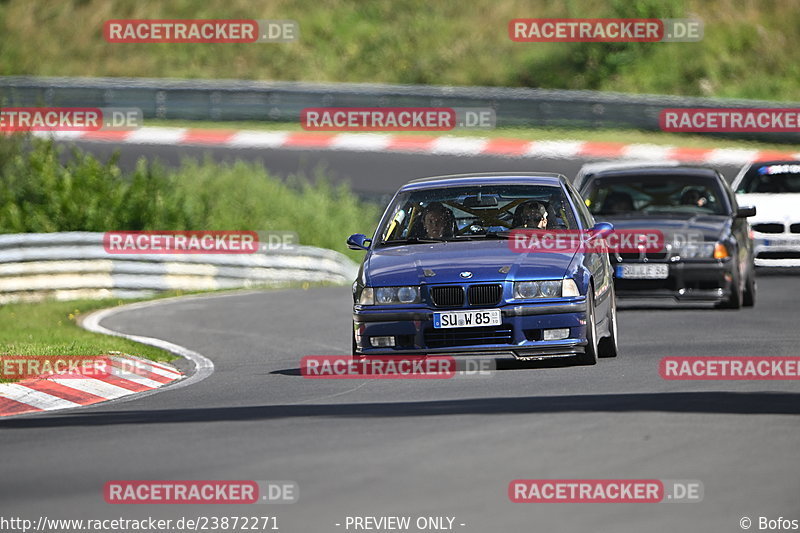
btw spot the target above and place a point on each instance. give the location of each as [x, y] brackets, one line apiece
[519, 336]
[697, 281]
[776, 249]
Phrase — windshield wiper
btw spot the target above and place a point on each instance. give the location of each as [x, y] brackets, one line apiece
[489, 235]
[412, 240]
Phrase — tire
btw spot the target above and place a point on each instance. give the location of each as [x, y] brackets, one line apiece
[607, 346]
[736, 299]
[589, 357]
[354, 351]
[749, 298]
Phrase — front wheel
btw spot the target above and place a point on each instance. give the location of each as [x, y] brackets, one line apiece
[607, 347]
[749, 299]
[589, 356]
[735, 300]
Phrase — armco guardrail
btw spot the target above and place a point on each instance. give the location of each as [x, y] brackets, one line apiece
[227, 100]
[75, 265]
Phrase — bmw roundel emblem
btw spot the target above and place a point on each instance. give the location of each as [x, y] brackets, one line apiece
[466, 274]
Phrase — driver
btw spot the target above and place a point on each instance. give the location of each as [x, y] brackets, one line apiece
[437, 221]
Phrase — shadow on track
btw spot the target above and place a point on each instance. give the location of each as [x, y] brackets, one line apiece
[758, 403]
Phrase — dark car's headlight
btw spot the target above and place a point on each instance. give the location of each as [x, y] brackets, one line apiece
[389, 295]
[704, 250]
[526, 290]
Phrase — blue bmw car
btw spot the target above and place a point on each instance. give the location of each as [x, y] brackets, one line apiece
[440, 277]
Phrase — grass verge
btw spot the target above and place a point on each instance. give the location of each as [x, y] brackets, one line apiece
[42, 189]
[748, 49]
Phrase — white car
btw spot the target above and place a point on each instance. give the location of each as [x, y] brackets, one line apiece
[773, 187]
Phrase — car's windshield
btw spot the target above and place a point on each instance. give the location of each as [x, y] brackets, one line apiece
[773, 178]
[475, 212]
[677, 194]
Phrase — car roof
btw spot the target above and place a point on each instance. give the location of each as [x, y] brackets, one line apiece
[593, 168]
[486, 178]
[652, 170]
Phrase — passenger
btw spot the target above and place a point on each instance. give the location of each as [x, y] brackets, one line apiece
[693, 197]
[531, 215]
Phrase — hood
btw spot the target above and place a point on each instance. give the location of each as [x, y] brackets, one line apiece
[783, 207]
[406, 265]
[713, 227]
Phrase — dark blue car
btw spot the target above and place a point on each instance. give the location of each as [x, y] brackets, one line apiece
[440, 277]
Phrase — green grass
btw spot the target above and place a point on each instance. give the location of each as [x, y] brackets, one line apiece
[50, 328]
[533, 134]
[40, 193]
[748, 50]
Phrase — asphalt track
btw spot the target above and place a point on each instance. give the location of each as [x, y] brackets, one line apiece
[430, 447]
[369, 173]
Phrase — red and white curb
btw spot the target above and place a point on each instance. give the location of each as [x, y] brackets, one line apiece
[133, 375]
[434, 145]
[48, 394]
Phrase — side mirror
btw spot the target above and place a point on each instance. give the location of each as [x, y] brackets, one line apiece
[602, 229]
[358, 241]
[746, 211]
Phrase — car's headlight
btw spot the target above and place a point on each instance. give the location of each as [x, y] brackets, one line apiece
[527, 290]
[367, 296]
[699, 250]
[389, 295]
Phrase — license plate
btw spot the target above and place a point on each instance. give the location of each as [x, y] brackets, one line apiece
[643, 271]
[783, 243]
[467, 319]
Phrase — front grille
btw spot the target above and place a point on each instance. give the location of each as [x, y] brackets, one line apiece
[484, 294]
[447, 296]
[778, 255]
[769, 228]
[451, 337]
[795, 228]
[633, 257]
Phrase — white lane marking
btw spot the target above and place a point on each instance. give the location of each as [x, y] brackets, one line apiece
[731, 156]
[258, 139]
[554, 148]
[126, 365]
[157, 136]
[94, 386]
[458, 145]
[34, 398]
[204, 367]
[361, 142]
[136, 378]
[646, 151]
